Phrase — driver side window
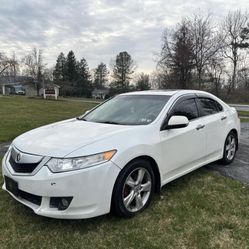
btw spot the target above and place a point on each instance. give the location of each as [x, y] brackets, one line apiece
[186, 108]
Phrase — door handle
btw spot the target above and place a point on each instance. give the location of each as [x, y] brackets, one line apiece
[200, 127]
[223, 117]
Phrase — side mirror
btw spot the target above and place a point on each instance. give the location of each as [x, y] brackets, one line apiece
[177, 122]
[86, 112]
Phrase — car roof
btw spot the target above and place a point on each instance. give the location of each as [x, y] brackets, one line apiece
[152, 92]
[169, 92]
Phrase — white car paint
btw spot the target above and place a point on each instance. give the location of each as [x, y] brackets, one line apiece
[175, 151]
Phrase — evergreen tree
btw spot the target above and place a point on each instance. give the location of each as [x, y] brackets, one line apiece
[100, 76]
[59, 71]
[71, 71]
[123, 68]
[84, 84]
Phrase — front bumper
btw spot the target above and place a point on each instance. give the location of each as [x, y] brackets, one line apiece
[90, 188]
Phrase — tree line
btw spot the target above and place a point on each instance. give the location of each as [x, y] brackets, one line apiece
[196, 53]
[75, 77]
[199, 53]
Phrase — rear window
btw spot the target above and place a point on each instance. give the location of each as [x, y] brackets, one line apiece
[209, 106]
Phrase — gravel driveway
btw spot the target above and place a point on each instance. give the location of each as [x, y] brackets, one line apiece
[238, 170]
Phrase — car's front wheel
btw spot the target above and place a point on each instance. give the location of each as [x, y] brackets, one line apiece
[230, 148]
[134, 188]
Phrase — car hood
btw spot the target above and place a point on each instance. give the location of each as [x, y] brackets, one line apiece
[61, 138]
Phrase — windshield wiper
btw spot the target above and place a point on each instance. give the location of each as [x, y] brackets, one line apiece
[102, 122]
[81, 118]
[108, 122]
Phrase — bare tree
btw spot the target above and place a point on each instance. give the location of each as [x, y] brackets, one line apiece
[13, 68]
[176, 58]
[9, 66]
[215, 71]
[34, 67]
[142, 82]
[243, 78]
[236, 35]
[4, 63]
[206, 43]
[156, 79]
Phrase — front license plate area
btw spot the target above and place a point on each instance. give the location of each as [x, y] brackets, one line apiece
[11, 185]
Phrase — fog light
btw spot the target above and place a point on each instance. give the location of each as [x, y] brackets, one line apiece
[62, 203]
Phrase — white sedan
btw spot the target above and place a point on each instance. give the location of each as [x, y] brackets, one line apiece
[120, 153]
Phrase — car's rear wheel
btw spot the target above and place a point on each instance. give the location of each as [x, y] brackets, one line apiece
[230, 148]
[133, 189]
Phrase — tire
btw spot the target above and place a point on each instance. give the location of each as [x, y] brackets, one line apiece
[133, 189]
[230, 148]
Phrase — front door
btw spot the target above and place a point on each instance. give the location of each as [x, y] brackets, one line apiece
[183, 148]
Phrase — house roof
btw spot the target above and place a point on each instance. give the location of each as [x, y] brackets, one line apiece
[101, 91]
[15, 80]
[51, 85]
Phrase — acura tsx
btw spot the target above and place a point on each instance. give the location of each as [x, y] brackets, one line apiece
[117, 155]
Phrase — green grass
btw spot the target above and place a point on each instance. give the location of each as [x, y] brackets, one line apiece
[244, 113]
[82, 99]
[244, 116]
[200, 210]
[244, 120]
[20, 114]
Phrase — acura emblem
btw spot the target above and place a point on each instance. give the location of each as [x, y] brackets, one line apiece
[18, 157]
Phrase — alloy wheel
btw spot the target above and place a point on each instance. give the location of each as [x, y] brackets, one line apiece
[137, 189]
[230, 147]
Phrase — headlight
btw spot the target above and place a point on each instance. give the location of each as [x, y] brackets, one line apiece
[67, 164]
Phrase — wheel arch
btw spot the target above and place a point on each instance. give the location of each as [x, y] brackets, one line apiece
[154, 167]
[155, 170]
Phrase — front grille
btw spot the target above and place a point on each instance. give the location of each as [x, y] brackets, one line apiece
[22, 167]
[30, 197]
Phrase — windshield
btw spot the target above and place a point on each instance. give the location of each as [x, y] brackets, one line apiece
[18, 88]
[128, 110]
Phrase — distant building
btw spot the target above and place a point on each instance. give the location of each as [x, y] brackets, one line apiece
[100, 93]
[10, 85]
[17, 85]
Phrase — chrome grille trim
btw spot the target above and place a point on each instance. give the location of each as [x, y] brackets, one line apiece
[43, 161]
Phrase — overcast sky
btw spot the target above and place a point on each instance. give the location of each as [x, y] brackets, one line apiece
[97, 29]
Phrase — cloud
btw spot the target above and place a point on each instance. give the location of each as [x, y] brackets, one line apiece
[95, 29]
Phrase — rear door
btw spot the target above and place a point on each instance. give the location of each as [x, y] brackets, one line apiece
[214, 118]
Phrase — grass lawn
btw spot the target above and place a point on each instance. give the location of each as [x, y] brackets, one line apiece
[243, 113]
[19, 114]
[244, 116]
[244, 120]
[200, 210]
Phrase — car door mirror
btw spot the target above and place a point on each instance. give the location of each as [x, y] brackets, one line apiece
[177, 122]
[86, 112]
